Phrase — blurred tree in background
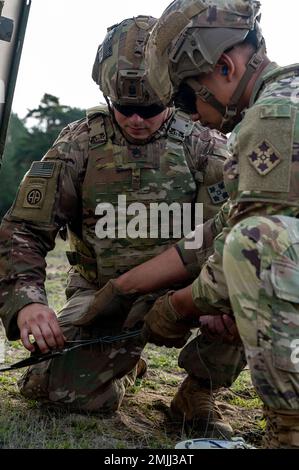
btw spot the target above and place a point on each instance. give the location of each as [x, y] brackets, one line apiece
[28, 140]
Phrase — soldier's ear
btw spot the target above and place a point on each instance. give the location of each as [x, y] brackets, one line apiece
[227, 67]
[224, 70]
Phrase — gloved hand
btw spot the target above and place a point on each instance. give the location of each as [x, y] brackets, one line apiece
[163, 326]
[110, 307]
[135, 318]
[220, 328]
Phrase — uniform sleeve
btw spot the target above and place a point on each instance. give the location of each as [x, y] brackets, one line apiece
[47, 199]
[194, 259]
[207, 150]
[209, 290]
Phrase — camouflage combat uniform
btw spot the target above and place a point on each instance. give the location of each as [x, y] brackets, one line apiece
[214, 363]
[255, 264]
[90, 163]
[254, 267]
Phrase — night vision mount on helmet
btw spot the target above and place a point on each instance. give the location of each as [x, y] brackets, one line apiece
[119, 67]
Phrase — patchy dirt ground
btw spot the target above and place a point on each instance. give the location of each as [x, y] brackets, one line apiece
[142, 422]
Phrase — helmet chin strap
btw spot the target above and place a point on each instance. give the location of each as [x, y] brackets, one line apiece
[230, 112]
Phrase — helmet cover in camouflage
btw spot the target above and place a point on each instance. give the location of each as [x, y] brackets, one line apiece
[119, 67]
[191, 36]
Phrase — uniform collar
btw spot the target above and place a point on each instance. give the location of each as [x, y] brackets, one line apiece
[259, 84]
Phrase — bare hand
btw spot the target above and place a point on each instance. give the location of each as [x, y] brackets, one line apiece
[220, 327]
[40, 321]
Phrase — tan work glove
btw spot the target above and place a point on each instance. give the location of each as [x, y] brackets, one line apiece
[109, 308]
[163, 326]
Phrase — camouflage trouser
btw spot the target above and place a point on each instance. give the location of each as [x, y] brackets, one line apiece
[214, 363]
[92, 379]
[89, 379]
[261, 267]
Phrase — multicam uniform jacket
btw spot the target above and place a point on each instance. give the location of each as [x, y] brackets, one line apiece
[91, 163]
[261, 174]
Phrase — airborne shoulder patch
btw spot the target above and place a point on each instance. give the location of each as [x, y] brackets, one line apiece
[37, 193]
[218, 193]
[34, 196]
[264, 158]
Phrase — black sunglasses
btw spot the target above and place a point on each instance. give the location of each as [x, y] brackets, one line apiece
[145, 112]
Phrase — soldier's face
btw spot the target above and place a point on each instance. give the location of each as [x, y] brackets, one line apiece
[139, 128]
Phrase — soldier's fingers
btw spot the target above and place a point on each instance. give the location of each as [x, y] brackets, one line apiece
[230, 325]
[213, 328]
[38, 336]
[57, 332]
[207, 327]
[228, 321]
[48, 335]
[219, 326]
[24, 333]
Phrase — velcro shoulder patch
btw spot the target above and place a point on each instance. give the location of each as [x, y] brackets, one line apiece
[218, 193]
[276, 111]
[36, 195]
[42, 169]
[264, 143]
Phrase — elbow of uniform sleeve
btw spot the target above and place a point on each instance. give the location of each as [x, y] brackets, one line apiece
[199, 299]
[195, 258]
[188, 257]
[196, 297]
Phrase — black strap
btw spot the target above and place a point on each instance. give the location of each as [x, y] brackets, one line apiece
[230, 111]
[206, 95]
[253, 64]
[75, 258]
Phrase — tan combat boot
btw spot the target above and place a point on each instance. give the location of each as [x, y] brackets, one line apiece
[141, 368]
[282, 431]
[195, 407]
[34, 383]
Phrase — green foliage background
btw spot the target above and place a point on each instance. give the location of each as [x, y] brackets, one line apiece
[28, 140]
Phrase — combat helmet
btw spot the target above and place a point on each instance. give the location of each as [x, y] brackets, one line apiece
[119, 67]
[190, 38]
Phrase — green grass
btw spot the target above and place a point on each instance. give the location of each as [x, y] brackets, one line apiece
[142, 421]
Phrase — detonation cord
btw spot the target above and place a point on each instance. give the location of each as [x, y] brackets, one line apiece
[37, 358]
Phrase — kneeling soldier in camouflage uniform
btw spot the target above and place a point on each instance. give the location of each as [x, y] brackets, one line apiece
[217, 50]
[135, 147]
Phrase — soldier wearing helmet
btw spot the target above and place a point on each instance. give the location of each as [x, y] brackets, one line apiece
[212, 55]
[135, 147]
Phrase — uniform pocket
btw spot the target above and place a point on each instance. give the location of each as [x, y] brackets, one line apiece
[285, 314]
